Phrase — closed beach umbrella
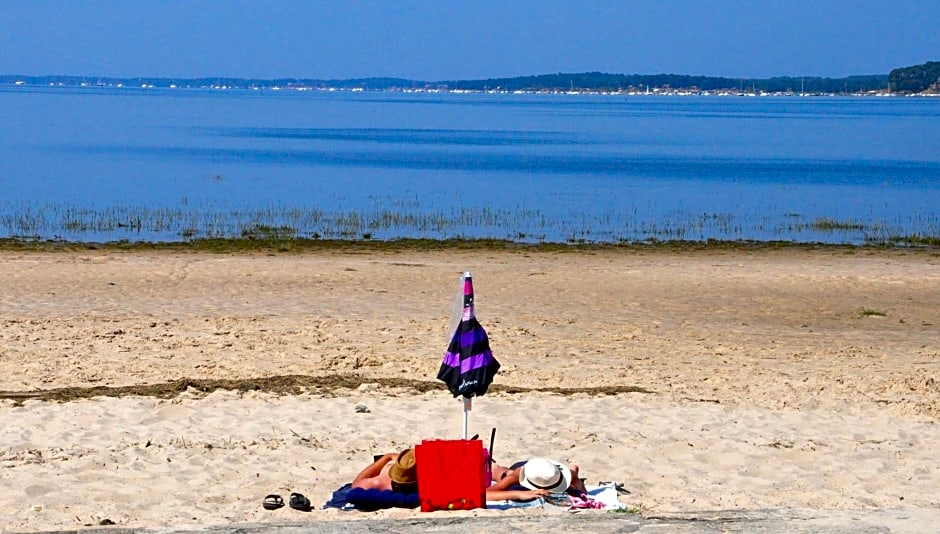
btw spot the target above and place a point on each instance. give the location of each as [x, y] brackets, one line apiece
[469, 366]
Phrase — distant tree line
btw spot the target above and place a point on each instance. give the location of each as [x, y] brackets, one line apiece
[599, 81]
[916, 79]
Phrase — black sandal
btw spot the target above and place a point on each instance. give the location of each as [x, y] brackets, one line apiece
[272, 502]
[299, 502]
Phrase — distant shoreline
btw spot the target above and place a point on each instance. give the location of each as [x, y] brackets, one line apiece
[655, 92]
[551, 84]
[913, 80]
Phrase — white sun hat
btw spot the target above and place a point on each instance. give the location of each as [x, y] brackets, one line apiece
[542, 473]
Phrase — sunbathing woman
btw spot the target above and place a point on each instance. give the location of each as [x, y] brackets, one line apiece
[537, 477]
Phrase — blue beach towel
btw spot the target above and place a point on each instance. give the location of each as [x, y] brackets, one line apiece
[370, 500]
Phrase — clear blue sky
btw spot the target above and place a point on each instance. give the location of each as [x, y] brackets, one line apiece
[464, 39]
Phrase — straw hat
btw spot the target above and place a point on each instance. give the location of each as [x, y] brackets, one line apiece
[404, 471]
[542, 473]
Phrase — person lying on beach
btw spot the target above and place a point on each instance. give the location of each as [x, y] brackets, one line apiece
[537, 477]
[393, 471]
[523, 481]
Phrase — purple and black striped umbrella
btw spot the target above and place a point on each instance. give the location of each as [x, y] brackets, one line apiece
[469, 366]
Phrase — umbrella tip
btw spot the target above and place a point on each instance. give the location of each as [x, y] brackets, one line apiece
[466, 274]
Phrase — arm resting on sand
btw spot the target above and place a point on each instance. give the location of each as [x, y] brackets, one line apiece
[509, 480]
[500, 490]
[514, 495]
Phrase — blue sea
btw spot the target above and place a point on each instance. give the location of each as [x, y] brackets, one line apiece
[106, 164]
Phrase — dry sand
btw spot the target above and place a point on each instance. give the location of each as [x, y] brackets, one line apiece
[792, 378]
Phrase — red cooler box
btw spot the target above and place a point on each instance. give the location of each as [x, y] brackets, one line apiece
[451, 474]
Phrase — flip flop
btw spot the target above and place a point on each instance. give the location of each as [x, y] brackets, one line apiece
[272, 502]
[299, 502]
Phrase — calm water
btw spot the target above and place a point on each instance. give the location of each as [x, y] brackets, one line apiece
[106, 164]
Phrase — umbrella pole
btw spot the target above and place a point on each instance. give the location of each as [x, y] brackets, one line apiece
[466, 416]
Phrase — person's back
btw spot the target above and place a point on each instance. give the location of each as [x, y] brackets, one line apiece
[380, 480]
[391, 471]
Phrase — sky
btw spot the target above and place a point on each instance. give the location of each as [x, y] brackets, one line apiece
[437, 40]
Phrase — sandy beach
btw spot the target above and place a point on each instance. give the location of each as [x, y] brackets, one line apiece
[703, 380]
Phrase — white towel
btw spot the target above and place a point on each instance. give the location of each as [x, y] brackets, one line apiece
[606, 494]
